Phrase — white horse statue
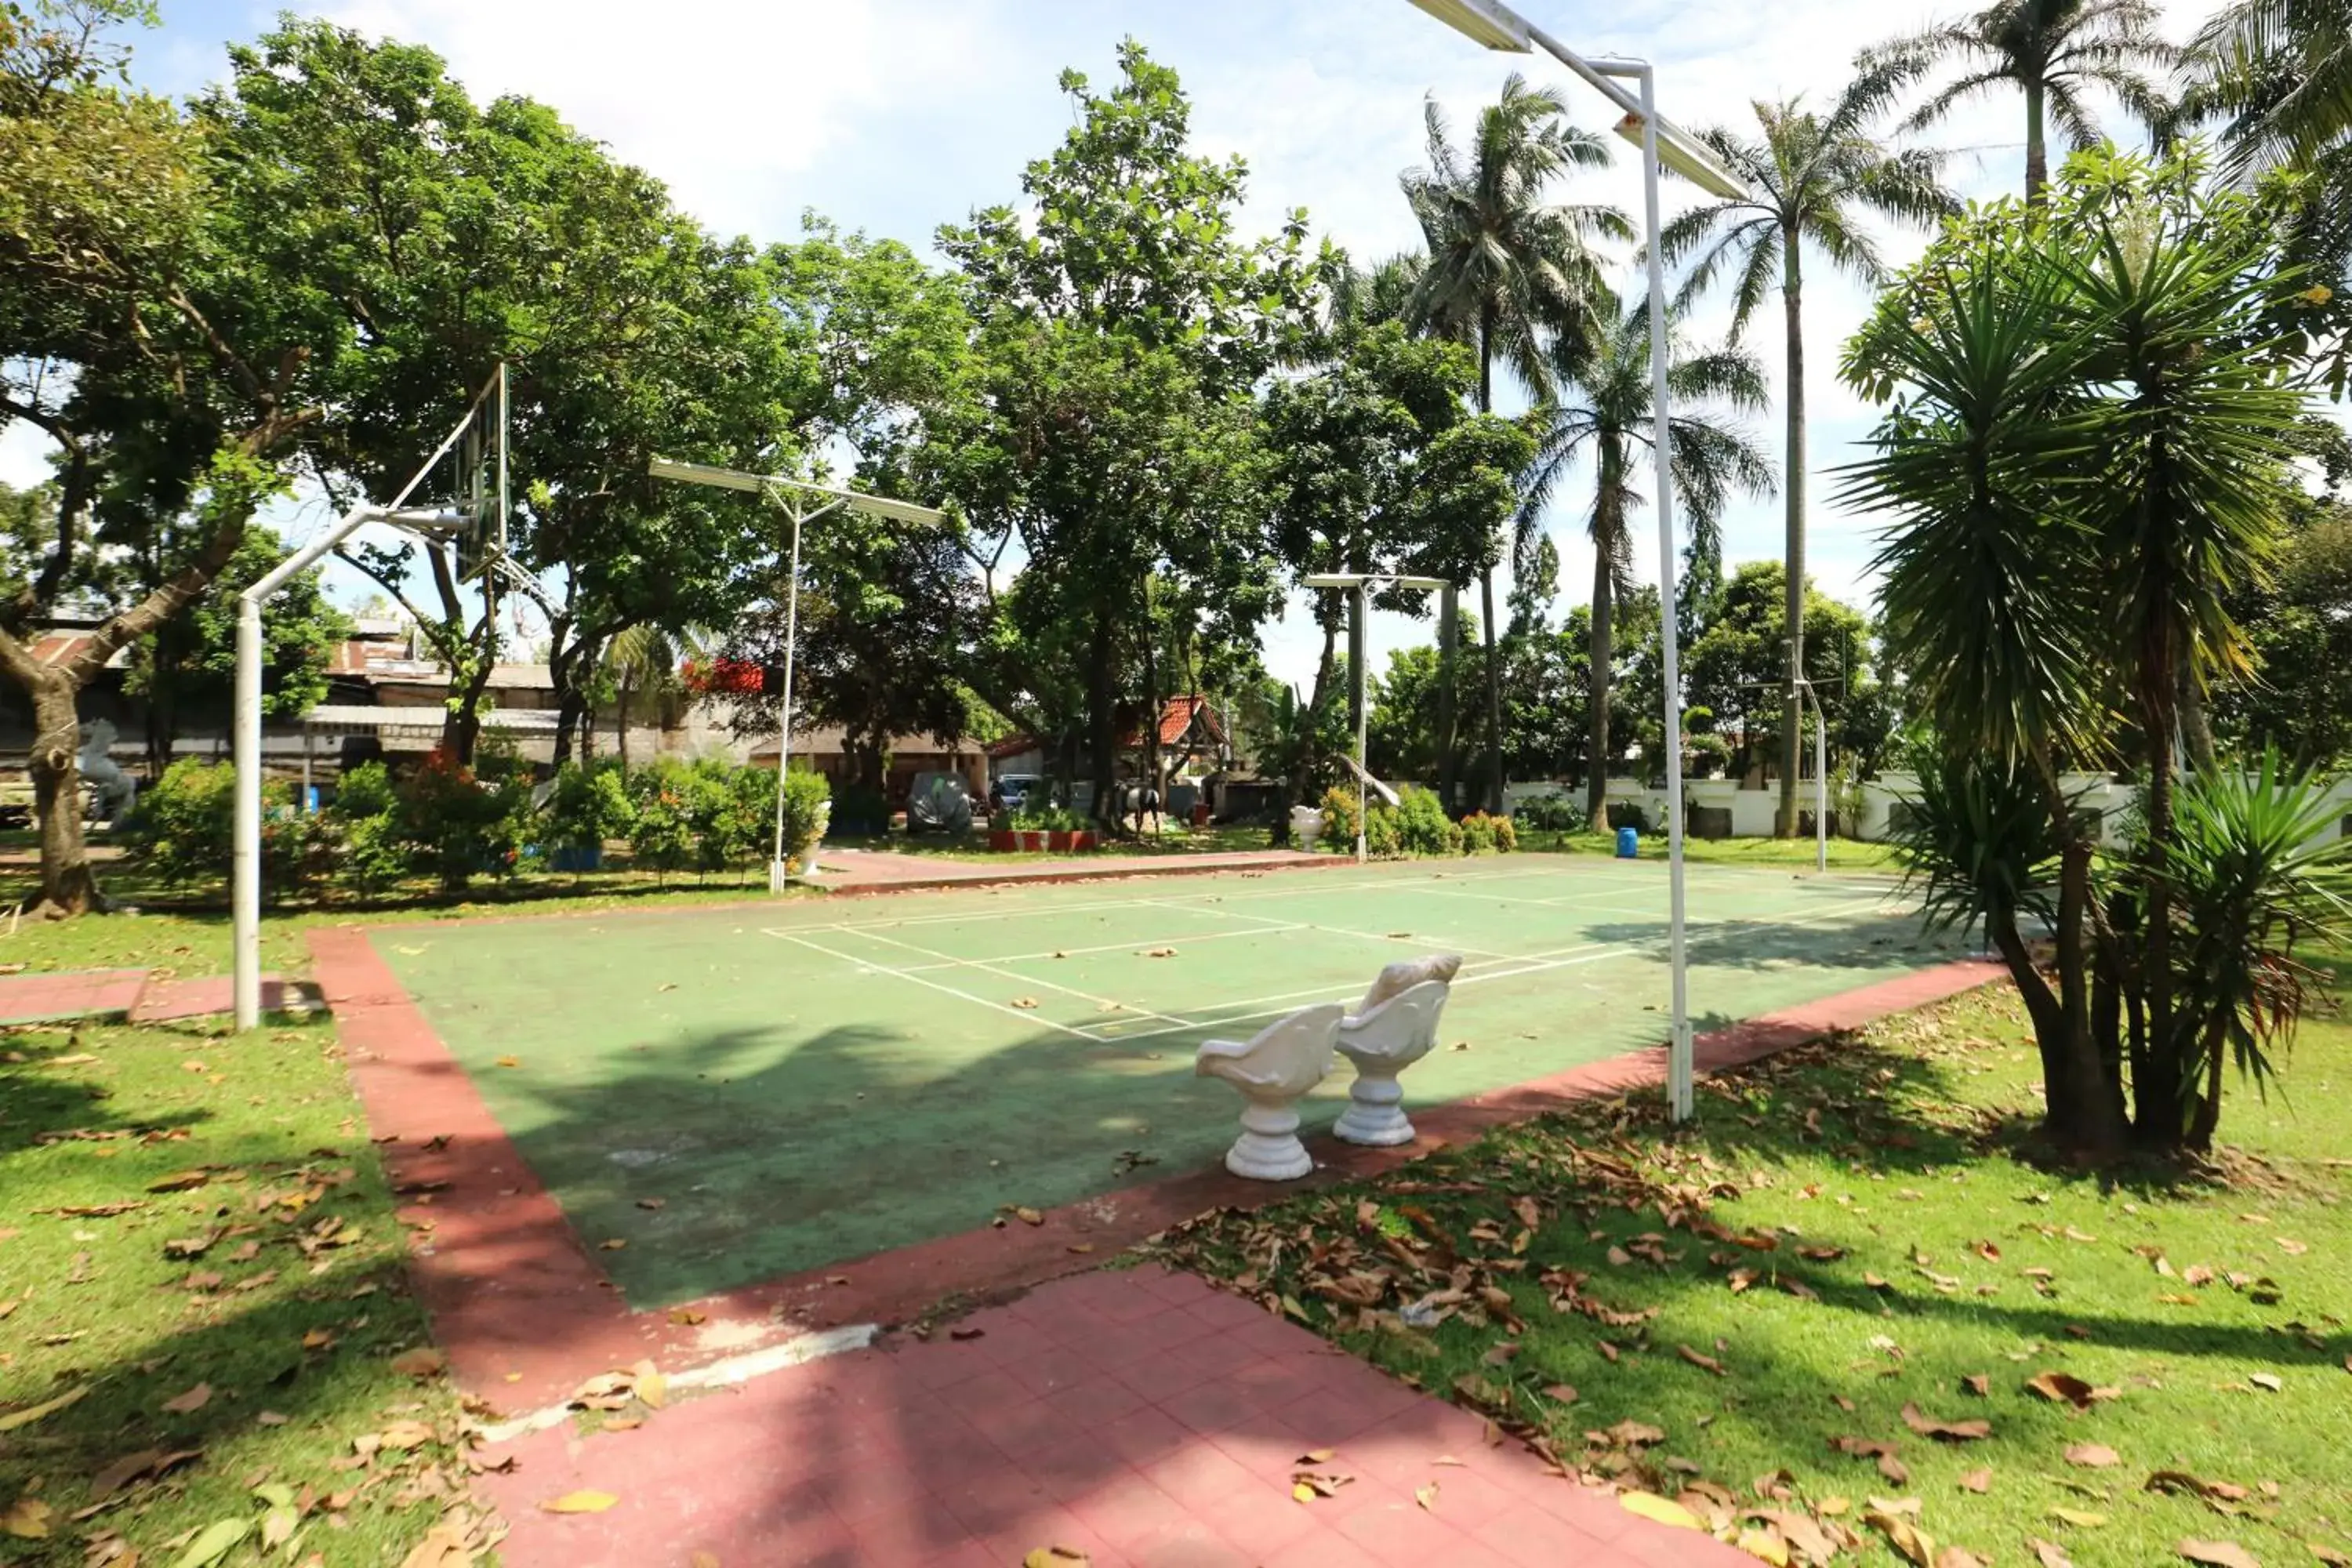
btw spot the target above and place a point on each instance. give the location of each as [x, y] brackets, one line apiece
[117, 791]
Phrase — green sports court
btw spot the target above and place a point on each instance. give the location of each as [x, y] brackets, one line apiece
[749, 1091]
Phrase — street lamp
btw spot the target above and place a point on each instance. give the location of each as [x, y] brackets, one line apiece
[1497, 27]
[803, 503]
[1360, 582]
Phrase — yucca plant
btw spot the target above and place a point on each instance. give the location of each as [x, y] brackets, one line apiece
[2257, 875]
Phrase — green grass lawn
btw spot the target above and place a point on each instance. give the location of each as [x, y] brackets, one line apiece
[201, 1261]
[1847, 1235]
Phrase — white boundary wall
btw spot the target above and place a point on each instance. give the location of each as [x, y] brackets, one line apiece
[1752, 809]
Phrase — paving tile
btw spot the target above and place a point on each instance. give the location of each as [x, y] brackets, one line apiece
[1395, 1529]
[1528, 1536]
[1128, 1511]
[1211, 1407]
[1053, 1370]
[1095, 1403]
[1200, 1476]
[1145, 1437]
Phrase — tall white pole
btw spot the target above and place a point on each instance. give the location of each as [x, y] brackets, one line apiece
[1364, 709]
[1679, 1068]
[245, 871]
[1821, 780]
[777, 877]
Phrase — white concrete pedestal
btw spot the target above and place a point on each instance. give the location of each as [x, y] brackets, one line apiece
[1273, 1071]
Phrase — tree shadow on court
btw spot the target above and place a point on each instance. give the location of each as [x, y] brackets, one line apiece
[1782, 944]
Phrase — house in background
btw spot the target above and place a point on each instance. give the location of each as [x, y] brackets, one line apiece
[825, 749]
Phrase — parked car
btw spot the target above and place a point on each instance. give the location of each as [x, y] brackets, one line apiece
[1010, 792]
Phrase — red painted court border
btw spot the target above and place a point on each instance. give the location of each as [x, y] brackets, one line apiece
[524, 1313]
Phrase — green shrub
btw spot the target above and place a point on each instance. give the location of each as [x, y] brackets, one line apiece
[755, 811]
[1043, 819]
[1506, 836]
[808, 806]
[1339, 807]
[373, 853]
[1549, 813]
[587, 805]
[1478, 834]
[661, 830]
[1383, 838]
[186, 824]
[1628, 814]
[1422, 826]
[366, 791]
[460, 825]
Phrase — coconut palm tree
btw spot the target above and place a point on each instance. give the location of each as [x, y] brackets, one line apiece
[641, 661]
[1603, 410]
[1812, 178]
[2050, 50]
[2280, 73]
[1508, 271]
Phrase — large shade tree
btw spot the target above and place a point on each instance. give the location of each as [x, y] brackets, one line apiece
[1107, 428]
[1508, 270]
[1812, 178]
[1603, 415]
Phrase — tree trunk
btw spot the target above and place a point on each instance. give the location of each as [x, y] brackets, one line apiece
[68, 886]
[2163, 1099]
[1792, 707]
[2195, 719]
[2037, 155]
[1150, 734]
[1494, 695]
[1449, 634]
[1601, 651]
[1102, 721]
[621, 706]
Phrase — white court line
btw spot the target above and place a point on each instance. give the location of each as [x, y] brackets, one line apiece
[923, 980]
[1565, 958]
[1043, 954]
[986, 967]
[1419, 939]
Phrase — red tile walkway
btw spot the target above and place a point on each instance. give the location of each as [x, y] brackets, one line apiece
[130, 993]
[1137, 1416]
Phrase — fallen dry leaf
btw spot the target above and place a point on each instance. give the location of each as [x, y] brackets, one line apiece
[2217, 1553]
[26, 1518]
[1056, 1557]
[2268, 1380]
[1948, 1431]
[580, 1503]
[32, 1413]
[1978, 1481]
[687, 1317]
[421, 1362]
[517, 1061]
[2048, 1555]
[2195, 1486]
[1978, 1383]
[2093, 1456]
[1704, 1363]
[2056, 1386]
[195, 1399]
[1893, 1469]
[2079, 1518]
[1957, 1557]
[1661, 1510]
[1903, 1536]
[1426, 1495]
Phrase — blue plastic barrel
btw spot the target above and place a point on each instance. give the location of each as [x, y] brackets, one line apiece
[1629, 844]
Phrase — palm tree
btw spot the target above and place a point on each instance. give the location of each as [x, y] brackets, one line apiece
[1603, 409]
[2282, 71]
[644, 660]
[1811, 176]
[1508, 271]
[2051, 50]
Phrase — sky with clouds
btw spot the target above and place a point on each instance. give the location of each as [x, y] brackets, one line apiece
[895, 116]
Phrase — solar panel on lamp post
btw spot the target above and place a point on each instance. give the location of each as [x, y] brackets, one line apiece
[796, 495]
[1497, 27]
[1360, 582]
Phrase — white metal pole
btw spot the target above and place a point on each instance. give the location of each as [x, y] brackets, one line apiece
[1821, 780]
[244, 873]
[776, 872]
[1363, 640]
[1679, 1067]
